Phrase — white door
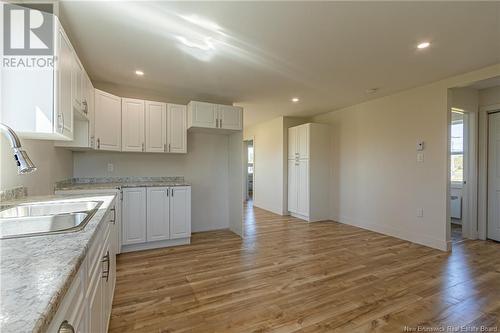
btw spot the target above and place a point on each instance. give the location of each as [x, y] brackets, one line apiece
[292, 186]
[134, 215]
[180, 212]
[177, 128]
[202, 114]
[156, 127]
[303, 141]
[133, 125]
[158, 213]
[64, 121]
[230, 117]
[107, 121]
[303, 187]
[292, 143]
[494, 177]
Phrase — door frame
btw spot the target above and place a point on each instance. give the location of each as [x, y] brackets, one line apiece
[482, 212]
[245, 166]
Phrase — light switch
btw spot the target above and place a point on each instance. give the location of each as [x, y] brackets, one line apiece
[111, 167]
[420, 157]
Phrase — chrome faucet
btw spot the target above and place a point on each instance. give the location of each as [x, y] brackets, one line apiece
[24, 163]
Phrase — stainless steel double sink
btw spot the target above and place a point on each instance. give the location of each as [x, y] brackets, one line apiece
[43, 218]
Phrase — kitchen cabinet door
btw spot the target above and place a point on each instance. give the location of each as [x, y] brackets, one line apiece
[133, 138]
[96, 309]
[156, 127]
[303, 141]
[292, 143]
[134, 215]
[64, 122]
[303, 187]
[177, 128]
[158, 213]
[230, 117]
[292, 186]
[180, 212]
[107, 121]
[201, 114]
[76, 83]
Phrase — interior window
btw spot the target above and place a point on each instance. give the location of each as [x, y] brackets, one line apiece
[457, 146]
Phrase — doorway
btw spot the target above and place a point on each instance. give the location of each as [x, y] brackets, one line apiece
[458, 172]
[249, 166]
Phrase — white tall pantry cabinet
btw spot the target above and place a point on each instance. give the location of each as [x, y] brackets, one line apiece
[309, 171]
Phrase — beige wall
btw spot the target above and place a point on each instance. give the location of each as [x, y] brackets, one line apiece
[53, 164]
[205, 167]
[270, 165]
[489, 96]
[376, 182]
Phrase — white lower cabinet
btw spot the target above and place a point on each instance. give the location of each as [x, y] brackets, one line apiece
[180, 212]
[133, 214]
[165, 220]
[86, 307]
[157, 214]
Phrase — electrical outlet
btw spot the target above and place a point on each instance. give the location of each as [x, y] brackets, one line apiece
[111, 167]
[420, 157]
[420, 212]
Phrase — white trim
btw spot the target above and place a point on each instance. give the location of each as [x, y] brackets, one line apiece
[155, 245]
[426, 240]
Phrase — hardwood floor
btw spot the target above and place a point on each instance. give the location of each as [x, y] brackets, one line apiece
[291, 276]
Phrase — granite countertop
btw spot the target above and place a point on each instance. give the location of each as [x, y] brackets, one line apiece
[117, 183]
[37, 271]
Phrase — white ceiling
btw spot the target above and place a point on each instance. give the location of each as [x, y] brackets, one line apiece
[264, 53]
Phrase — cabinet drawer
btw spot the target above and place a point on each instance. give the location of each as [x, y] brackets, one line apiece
[94, 254]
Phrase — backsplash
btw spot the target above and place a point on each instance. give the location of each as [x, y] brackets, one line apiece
[14, 193]
[100, 180]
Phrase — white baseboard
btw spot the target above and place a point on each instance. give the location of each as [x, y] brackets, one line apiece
[155, 245]
[401, 234]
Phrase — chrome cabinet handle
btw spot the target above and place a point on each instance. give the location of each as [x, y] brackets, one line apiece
[66, 328]
[105, 274]
[143, 146]
[220, 123]
[169, 147]
[98, 143]
[172, 192]
[165, 147]
[85, 106]
[60, 121]
[114, 216]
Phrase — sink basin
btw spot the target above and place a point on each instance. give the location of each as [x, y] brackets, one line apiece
[46, 218]
[48, 208]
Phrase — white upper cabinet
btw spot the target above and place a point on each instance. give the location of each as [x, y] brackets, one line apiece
[83, 123]
[298, 142]
[108, 119]
[230, 117]
[77, 84]
[133, 138]
[208, 115]
[201, 114]
[156, 127]
[177, 128]
[36, 103]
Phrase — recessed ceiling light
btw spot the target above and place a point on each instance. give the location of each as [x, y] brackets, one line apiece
[140, 73]
[295, 99]
[371, 91]
[423, 45]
